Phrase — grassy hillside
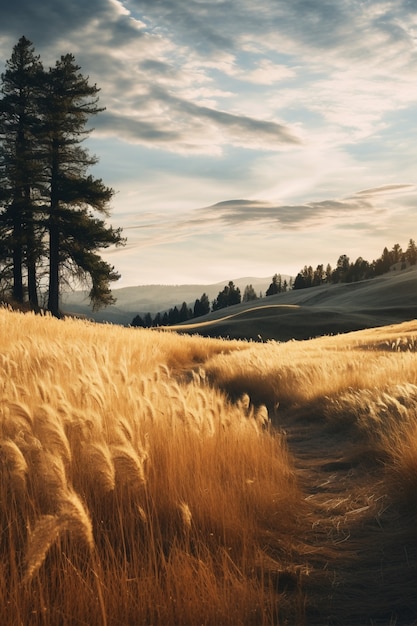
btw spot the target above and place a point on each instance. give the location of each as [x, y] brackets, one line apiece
[152, 478]
[306, 313]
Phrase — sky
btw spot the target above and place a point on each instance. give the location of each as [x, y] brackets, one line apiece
[242, 138]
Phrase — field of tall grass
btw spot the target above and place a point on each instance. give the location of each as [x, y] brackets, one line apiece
[149, 478]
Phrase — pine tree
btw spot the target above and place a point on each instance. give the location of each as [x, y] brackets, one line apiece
[249, 294]
[229, 296]
[173, 316]
[319, 275]
[299, 282]
[21, 166]
[201, 306]
[411, 252]
[184, 313]
[275, 286]
[74, 233]
[137, 322]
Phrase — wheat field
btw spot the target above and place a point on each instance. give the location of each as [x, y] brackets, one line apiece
[149, 478]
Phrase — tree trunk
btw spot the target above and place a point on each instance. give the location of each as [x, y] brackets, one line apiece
[31, 256]
[54, 235]
[32, 286]
[17, 262]
[53, 296]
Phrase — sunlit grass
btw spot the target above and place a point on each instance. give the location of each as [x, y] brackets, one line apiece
[143, 478]
[133, 485]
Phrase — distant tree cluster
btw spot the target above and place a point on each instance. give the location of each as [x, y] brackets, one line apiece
[228, 296]
[49, 232]
[175, 315]
[348, 272]
[278, 285]
[249, 294]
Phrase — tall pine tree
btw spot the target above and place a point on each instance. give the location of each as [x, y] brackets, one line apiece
[75, 234]
[21, 167]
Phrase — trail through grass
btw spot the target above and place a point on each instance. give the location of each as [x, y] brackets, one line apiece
[360, 555]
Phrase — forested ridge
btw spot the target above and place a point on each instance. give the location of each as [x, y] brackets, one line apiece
[344, 272]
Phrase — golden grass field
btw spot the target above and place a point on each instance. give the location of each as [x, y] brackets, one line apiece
[150, 478]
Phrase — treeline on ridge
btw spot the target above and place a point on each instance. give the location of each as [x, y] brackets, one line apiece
[344, 272]
[347, 272]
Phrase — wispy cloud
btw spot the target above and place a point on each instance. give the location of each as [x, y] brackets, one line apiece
[292, 217]
[369, 207]
[388, 190]
[183, 126]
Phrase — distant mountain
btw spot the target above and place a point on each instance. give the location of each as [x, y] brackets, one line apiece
[153, 298]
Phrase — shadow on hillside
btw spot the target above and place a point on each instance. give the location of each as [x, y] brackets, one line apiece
[317, 311]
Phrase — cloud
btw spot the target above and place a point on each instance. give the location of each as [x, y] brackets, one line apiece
[147, 81]
[161, 65]
[136, 130]
[292, 217]
[180, 125]
[387, 190]
[250, 215]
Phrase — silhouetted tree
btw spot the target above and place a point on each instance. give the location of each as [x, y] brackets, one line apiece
[396, 253]
[229, 296]
[386, 261]
[411, 252]
[157, 320]
[275, 286]
[357, 271]
[68, 103]
[21, 166]
[341, 269]
[148, 322]
[184, 313]
[329, 272]
[249, 294]
[299, 282]
[173, 316]
[201, 306]
[319, 276]
[307, 274]
[137, 321]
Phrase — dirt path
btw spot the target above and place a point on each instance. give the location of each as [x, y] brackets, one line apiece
[360, 557]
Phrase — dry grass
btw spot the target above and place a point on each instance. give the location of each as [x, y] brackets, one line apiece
[303, 372]
[348, 405]
[143, 481]
[131, 486]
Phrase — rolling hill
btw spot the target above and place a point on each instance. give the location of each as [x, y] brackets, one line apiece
[300, 314]
[324, 310]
